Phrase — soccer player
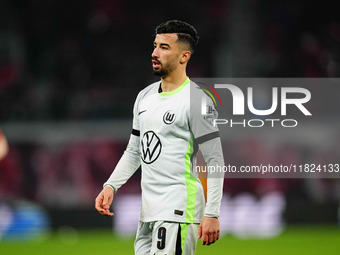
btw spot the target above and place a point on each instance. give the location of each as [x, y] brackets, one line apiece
[3, 146]
[167, 129]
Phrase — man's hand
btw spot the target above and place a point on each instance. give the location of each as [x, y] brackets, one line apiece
[209, 230]
[104, 201]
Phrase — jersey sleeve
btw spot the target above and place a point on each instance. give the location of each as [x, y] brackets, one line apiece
[213, 156]
[130, 160]
[202, 115]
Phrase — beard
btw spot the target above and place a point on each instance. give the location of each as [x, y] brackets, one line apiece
[164, 70]
[160, 72]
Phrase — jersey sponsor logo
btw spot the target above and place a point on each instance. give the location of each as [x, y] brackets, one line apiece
[169, 117]
[151, 147]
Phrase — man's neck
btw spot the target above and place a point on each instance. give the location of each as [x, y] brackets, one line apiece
[172, 82]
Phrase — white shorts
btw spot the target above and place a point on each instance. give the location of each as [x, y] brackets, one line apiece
[163, 237]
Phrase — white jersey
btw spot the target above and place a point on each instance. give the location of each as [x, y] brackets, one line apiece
[168, 128]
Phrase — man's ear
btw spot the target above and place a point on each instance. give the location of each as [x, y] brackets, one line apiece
[185, 57]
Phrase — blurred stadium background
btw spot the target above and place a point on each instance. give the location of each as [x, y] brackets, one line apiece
[69, 74]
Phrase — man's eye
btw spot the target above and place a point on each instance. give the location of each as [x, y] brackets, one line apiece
[164, 48]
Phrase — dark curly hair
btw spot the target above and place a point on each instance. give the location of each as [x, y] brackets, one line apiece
[186, 33]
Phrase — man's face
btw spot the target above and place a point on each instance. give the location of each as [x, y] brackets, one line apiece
[166, 54]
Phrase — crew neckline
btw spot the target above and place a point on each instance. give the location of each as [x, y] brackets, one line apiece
[175, 91]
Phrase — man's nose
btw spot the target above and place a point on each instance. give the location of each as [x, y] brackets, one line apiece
[155, 53]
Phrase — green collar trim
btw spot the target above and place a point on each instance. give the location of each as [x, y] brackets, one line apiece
[173, 92]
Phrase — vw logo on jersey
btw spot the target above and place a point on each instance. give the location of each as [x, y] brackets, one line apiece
[169, 117]
[151, 147]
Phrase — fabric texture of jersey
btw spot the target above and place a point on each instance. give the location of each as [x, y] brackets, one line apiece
[165, 128]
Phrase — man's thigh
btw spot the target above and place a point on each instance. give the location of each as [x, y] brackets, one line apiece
[143, 238]
[163, 237]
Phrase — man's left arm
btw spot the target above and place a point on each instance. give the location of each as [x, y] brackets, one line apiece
[207, 137]
[210, 227]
